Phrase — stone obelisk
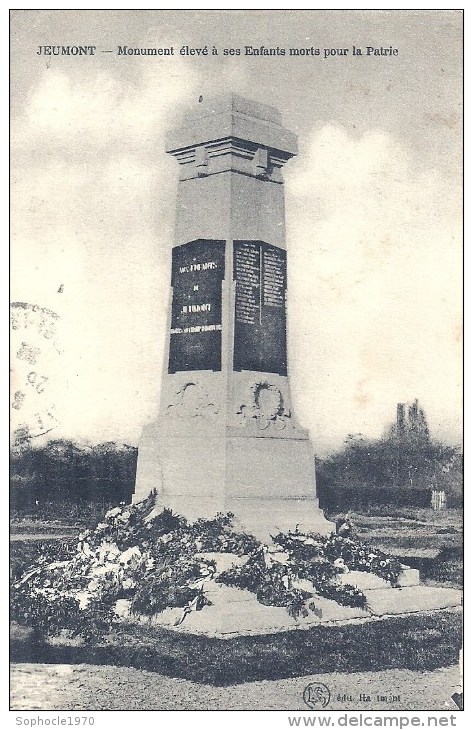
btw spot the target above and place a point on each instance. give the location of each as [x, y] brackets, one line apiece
[226, 438]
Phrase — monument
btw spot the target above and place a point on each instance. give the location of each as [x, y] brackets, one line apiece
[226, 438]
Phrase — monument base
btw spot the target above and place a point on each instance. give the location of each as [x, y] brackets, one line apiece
[234, 612]
[267, 483]
[259, 517]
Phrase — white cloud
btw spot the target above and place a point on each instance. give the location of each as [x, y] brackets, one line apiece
[92, 210]
[73, 116]
[375, 304]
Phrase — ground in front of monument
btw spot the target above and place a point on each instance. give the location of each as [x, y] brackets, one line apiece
[87, 687]
[51, 686]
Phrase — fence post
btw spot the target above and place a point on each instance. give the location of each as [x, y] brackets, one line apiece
[438, 500]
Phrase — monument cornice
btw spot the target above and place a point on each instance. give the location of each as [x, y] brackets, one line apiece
[231, 154]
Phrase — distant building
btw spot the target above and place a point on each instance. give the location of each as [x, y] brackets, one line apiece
[410, 421]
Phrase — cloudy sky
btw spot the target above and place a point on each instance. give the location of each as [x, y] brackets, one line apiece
[373, 206]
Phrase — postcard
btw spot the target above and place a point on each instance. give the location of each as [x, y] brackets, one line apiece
[236, 346]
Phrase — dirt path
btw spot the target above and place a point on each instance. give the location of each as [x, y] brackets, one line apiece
[85, 687]
[36, 536]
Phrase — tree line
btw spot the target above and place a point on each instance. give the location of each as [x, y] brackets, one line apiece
[404, 464]
[400, 465]
[62, 470]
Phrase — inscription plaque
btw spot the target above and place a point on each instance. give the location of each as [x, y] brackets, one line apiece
[259, 270]
[198, 269]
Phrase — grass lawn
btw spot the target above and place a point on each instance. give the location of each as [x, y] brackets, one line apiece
[417, 641]
[449, 521]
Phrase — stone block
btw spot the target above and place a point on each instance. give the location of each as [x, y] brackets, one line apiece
[268, 516]
[222, 595]
[304, 585]
[363, 580]
[254, 618]
[234, 612]
[327, 611]
[411, 599]
[249, 617]
[408, 577]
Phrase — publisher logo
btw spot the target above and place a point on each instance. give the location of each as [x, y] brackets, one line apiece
[316, 695]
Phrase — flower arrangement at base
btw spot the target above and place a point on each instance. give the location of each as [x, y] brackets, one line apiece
[171, 585]
[152, 561]
[276, 583]
[270, 581]
[359, 556]
[340, 551]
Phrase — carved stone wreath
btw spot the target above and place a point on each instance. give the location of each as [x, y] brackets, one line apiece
[266, 405]
[268, 399]
[192, 401]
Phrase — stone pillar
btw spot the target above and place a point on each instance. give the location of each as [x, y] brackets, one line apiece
[226, 438]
